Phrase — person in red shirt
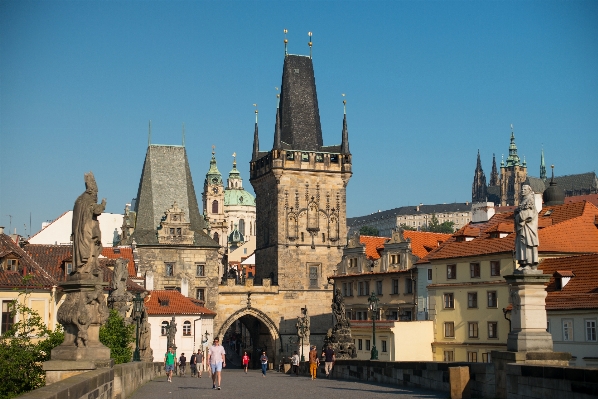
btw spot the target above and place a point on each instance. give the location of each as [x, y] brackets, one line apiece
[245, 361]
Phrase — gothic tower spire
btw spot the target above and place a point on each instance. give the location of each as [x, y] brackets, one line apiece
[345, 139]
[256, 141]
[277, 141]
[542, 166]
[478, 188]
[513, 158]
[494, 174]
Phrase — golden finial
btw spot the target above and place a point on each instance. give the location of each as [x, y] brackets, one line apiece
[213, 150]
[256, 112]
[285, 42]
[344, 104]
[309, 43]
[234, 159]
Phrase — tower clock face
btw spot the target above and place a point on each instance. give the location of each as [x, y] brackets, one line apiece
[214, 180]
[215, 189]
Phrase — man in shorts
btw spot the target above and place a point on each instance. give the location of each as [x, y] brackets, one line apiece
[217, 360]
[199, 360]
[330, 358]
[169, 358]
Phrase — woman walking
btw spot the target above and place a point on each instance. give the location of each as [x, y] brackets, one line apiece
[245, 361]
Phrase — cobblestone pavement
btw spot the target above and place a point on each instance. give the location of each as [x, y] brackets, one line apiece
[236, 384]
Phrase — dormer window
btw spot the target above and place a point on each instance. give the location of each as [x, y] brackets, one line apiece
[562, 277]
[394, 259]
[11, 265]
[68, 268]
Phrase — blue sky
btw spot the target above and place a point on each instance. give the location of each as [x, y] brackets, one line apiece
[427, 85]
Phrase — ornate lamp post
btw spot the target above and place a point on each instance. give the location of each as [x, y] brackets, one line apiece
[137, 307]
[373, 301]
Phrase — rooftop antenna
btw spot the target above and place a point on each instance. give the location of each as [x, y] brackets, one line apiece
[10, 223]
[183, 134]
[309, 43]
[256, 112]
[285, 42]
[344, 105]
[149, 134]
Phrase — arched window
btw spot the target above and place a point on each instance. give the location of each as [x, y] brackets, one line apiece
[215, 206]
[242, 226]
[187, 327]
[216, 237]
[164, 329]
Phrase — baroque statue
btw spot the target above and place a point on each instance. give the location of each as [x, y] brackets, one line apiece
[526, 225]
[119, 298]
[170, 339]
[340, 337]
[303, 324]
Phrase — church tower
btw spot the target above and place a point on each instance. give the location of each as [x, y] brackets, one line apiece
[213, 202]
[478, 188]
[300, 187]
[512, 175]
[542, 167]
[494, 178]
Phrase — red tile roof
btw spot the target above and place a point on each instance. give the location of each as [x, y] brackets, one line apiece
[36, 277]
[421, 243]
[373, 245]
[122, 252]
[567, 228]
[172, 302]
[581, 292]
[593, 198]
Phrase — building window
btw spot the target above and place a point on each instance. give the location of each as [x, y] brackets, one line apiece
[201, 294]
[68, 268]
[472, 300]
[348, 289]
[378, 287]
[547, 326]
[215, 206]
[472, 357]
[395, 286]
[492, 300]
[408, 286]
[449, 329]
[349, 315]
[394, 315]
[449, 301]
[302, 237]
[451, 272]
[474, 270]
[164, 328]
[12, 265]
[187, 328]
[384, 349]
[486, 358]
[353, 262]
[216, 237]
[591, 330]
[313, 276]
[494, 268]
[200, 270]
[364, 288]
[360, 344]
[473, 329]
[492, 329]
[568, 330]
[449, 356]
[429, 274]
[394, 259]
[242, 226]
[169, 267]
[368, 345]
[8, 316]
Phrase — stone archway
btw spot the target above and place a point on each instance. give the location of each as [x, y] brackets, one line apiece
[258, 314]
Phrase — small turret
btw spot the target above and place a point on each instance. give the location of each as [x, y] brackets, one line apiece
[553, 195]
[345, 139]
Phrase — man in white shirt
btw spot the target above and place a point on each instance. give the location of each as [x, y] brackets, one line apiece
[217, 360]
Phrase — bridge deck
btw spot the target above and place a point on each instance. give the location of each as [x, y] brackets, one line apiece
[237, 384]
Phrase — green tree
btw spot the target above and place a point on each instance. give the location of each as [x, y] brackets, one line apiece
[23, 349]
[118, 336]
[405, 227]
[434, 226]
[369, 231]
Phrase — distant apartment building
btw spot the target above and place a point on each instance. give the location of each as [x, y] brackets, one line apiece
[417, 217]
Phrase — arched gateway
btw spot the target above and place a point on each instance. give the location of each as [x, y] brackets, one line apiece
[258, 314]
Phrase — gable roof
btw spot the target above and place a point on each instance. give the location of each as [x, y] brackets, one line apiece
[172, 302]
[422, 243]
[581, 292]
[29, 273]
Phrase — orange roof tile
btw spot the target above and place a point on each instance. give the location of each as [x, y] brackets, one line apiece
[122, 252]
[581, 292]
[172, 302]
[423, 242]
[593, 198]
[372, 245]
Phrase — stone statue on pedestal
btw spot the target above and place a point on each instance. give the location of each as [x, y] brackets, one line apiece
[170, 339]
[340, 337]
[119, 298]
[145, 336]
[303, 326]
[526, 224]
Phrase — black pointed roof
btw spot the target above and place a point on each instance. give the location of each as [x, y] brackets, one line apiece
[299, 113]
[166, 179]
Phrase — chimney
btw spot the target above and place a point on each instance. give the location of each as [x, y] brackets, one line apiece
[1, 229]
[482, 211]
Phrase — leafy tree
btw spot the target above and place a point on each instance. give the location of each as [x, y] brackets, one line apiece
[369, 231]
[23, 348]
[118, 336]
[434, 226]
[405, 227]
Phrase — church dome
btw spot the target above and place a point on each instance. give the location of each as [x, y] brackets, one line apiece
[238, 197]
[553, 195]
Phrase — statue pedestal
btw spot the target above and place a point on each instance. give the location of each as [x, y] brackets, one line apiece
[528, 317]
[81, 315]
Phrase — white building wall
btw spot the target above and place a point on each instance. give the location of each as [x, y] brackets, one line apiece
[580, 344]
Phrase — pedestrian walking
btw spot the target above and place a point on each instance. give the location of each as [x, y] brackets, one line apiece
[169, 358]
[193, 364]
[295, 363]
[199, 359]
[264, 361]
[329, 359]
[182, 364]
[245, 361]
[314, 362]
[217, 360]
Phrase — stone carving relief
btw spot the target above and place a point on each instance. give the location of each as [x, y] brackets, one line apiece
[340, 337]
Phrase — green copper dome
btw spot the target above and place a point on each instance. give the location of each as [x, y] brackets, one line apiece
[238, 197]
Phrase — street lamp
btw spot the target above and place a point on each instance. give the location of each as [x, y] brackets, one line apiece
[373, 301]
[137, 307]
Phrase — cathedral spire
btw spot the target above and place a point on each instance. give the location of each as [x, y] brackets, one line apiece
[256, 141]
[494, 174]
[345, 139]
[478, 188]
[277, 141]
[513, 158]
[542, 166]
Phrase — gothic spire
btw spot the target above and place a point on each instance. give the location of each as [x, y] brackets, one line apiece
[513, 158]
[345, 139]
[494, 174]
[478, 188]
[277, 141]
[542, 166]
[256, 141]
